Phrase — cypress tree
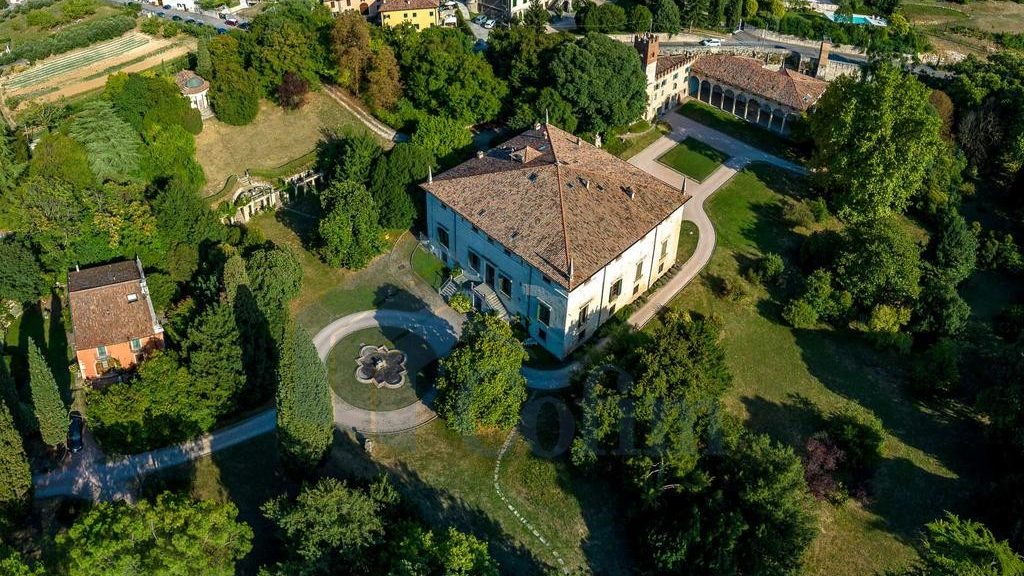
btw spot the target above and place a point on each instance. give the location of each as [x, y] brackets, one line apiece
[51, 413]
[305, 419]
[15, 476]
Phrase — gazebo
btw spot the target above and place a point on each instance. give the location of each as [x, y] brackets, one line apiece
[194, 87]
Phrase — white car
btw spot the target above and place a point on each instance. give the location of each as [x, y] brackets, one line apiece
[449, 5]
[490, 23]
[711, 43]
[480, 19]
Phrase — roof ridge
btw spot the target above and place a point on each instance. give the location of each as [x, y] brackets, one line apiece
[561, 201]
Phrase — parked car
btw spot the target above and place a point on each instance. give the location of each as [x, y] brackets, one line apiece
[490, 23]
[75, 432]
[222, 30]
[480, 19]
[244, 25]
[167, 7]
[231, 21]
[160, 14]
[176, 18]
[711, 42]
[190, 21]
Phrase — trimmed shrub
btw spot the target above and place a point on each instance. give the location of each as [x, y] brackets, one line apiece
[460, 303]
[51, 413]
[800, 314]
[859, 434]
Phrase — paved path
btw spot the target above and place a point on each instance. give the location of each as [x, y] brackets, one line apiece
[376, 126]
[740, 154]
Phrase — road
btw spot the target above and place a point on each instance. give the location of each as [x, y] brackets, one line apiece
[208, 18]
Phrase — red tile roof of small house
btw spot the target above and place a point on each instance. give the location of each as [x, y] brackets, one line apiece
[104, 311]
[783, 86]
[565, 206]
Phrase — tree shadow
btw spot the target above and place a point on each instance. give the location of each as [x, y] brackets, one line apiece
[389, 296]
[303, 225]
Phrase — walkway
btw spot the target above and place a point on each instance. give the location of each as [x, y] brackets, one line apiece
[740, 154]
[372, 124]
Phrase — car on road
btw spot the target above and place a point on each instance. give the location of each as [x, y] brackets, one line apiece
[222, 30]
[231, 21]
[167, 7]
[160, 14]
[711, 43]
[480, 19]
[176, 18]
[75, 432]
[490, 23]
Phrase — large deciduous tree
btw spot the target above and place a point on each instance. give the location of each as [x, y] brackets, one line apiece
[350, 235]
[51, 413]
[305, 419]
[875, 140]
[480, 385]
[395, 180]
[234, 90]
[21, 278]
[602, 80]
[879, 263]
[170, 536]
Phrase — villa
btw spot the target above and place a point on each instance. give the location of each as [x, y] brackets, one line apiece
[112, 318]
[422, 14]
[554, 231]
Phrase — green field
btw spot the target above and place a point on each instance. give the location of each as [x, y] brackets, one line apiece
[428, 267]
[693, 158]
[75, 60]
[738, 128]
[785, 379]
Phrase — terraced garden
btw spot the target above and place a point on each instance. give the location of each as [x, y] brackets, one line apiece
[76, 60]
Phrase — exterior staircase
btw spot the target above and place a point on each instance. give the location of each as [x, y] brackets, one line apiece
[490, 299]
[448, 289]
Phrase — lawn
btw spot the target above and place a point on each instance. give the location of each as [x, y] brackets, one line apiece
[420, 365]
[275, 138]
[785, 379]
[738, 128]
[693, 158]
[630, 144]
[688, 236]
[428, 267]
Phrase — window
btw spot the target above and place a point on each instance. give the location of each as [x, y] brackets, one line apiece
[542, 335]
[543, 313]
[639, 270]
[442, 236]
[581, 319]
[611, 311]
[661, 267]
[474, 261]
[664, 248]
[136, 345]
[636, 289]
[616, 289]
[505, 285]
[101, 352]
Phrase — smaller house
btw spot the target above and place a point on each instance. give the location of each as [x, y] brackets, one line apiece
[364, 7]
[195, 88]
[112, 318]
[422, 14]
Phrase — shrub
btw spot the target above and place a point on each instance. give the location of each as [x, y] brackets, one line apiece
[821, 465]
[859, 434]
[171, 29]
[460, 303]
[798, 214]
[800, 314]
[820, 210]
[151, 26]
[770, 267]
[41, 19]
[884, 327]
[937, 369]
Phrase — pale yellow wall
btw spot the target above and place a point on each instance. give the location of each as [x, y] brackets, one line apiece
[421, 19]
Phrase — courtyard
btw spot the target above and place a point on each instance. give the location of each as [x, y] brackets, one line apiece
[694, 158]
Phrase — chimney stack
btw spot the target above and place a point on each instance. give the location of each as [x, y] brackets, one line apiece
[479, 153]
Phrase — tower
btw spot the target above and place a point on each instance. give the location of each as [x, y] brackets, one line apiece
[647, 46]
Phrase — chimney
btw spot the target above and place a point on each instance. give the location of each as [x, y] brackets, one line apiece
[597, 139]
[536, 126]
[479, 153]
[430, 175]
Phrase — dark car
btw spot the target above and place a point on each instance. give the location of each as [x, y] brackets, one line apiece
[244, 25]
[222, 30]
[190, 21]
[75, 430]
[167, 6]
[160, 14]
[176, 18]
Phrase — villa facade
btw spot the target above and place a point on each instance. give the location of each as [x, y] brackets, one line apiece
[554, 231]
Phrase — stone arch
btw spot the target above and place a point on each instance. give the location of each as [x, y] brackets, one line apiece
[750, 112]
[716, 96]
[693, 86]
[705, 91]
[765, 116]
[729, 100]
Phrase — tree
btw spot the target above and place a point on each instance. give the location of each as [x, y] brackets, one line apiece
[350, 234]
[666, 17]
[695, 13]
[11, 564]
[290, 38]
[536, 16]
[875, 140]
[58, 157]
[349, 155]
[480, 385]
[291, 93]
[879, 263]
[215, 358]
[327, 524]
[940, 310]
[416, 550]
[170, 155]
[955, 547]
[11, 167]
[305, 418]
[204, 62]
[604, 18]
[383, 84]
[111, 143]
[799, 313]
[146, 102]
[15, 476]
[444, 76]
[441, 136]
[21, 278]
[350, 44]
[51, 413]
[170, 536]
[234, 91]
[640, 18]
[275, 277]
[602, 80]
[749, 8]
[394, 178]
[184, 219]
[955, 247]
[859, 434]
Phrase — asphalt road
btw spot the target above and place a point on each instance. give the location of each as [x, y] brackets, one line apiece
[207, 18]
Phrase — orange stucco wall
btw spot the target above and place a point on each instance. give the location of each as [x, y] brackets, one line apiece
[121, 352]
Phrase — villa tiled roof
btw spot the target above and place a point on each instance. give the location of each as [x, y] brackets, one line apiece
[103, 310]
[565, 206]
[670, 62]
[783, 86]
[397, 5]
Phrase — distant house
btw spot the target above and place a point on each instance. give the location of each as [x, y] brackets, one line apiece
[365, 7]
[112, 318]
[553, 230]
[422, 14]
[505, 9]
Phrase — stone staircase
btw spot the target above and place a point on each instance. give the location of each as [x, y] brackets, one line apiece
[448, 289]
[490, 300]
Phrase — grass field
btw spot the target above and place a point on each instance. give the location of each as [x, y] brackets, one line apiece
[428, 267]
[630, 144]
[341, 366]
[738, 128]
[785, 379]
[693, 158]
[688, 236]
[276, 137]
[17, 29]
[76, 60]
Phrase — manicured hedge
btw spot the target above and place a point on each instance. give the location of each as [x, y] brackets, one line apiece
[70, 38]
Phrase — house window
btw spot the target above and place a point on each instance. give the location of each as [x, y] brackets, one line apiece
[639, 270]
[442, 236]
[505, 285]
[661, 267]
[581, 319]
[616, 290]
[542, 335]
[474, 261]
[136, 345]
[101, 352]
[664, 248]
[636, 289]
[544, 313]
